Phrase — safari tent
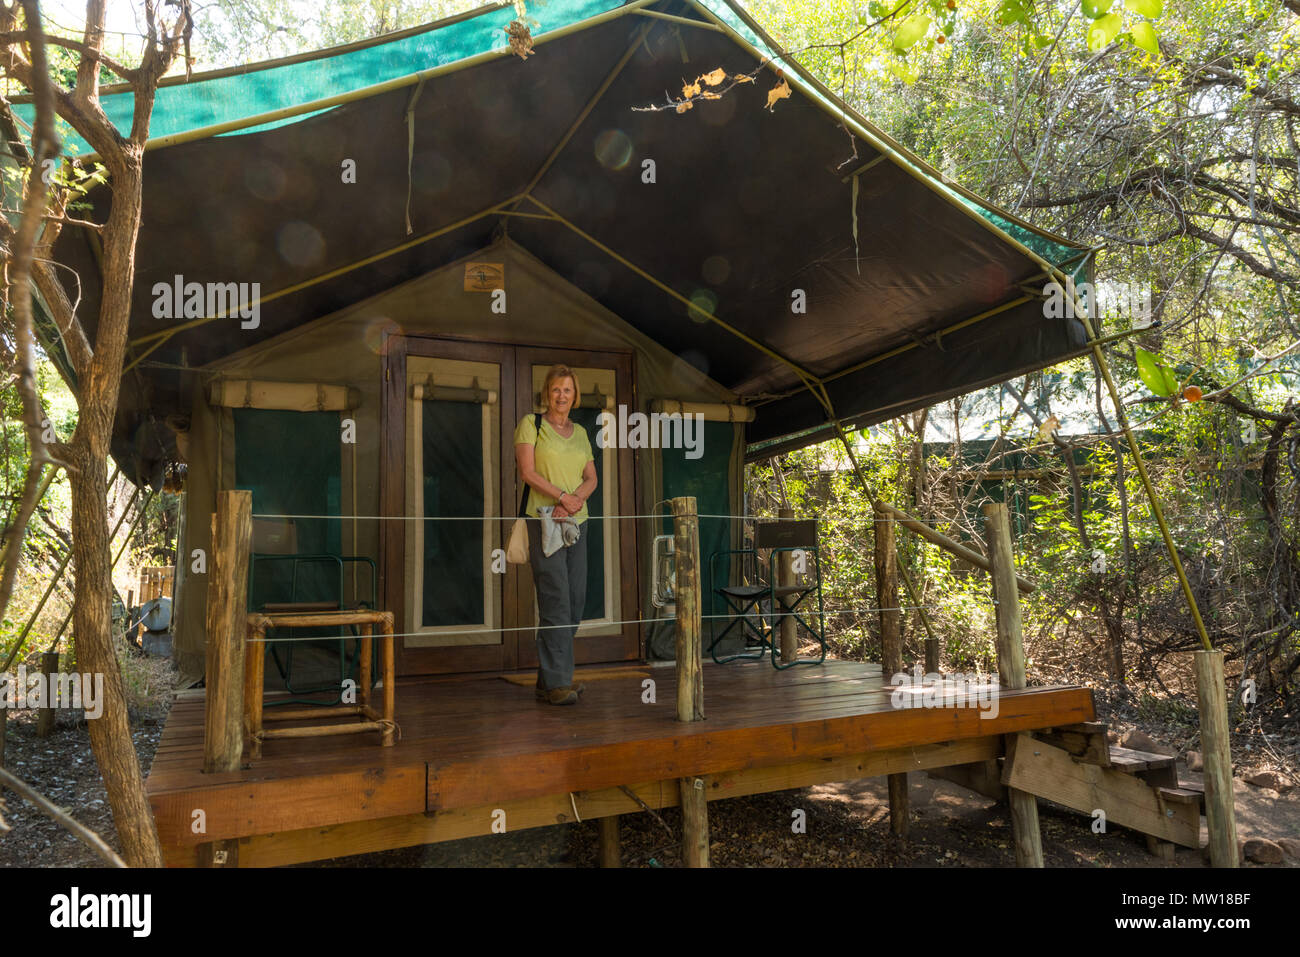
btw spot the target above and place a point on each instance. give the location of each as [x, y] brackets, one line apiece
[357, 186]
[429, 221]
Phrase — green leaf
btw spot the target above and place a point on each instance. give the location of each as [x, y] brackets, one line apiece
[876, 9]
[1156, 377]
[904, 72]
[1011, 11]
[1103, 31]
[1094, 9]
[1150, 9]
[913, 28]
[1144, 37]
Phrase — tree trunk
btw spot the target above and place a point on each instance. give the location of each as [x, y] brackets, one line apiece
[110, 734]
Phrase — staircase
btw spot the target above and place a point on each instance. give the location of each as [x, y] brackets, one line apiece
[1078, 767]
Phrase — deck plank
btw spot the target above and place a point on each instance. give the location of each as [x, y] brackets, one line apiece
[474, 742]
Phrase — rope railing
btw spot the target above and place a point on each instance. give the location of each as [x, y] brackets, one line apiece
[600, 623]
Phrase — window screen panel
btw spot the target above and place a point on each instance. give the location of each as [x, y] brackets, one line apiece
[452, 448]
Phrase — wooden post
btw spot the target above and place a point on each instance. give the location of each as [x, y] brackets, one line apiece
[609, 849]
[891, 632]
[386, 656]
[690, 677]
[227, 624]
[131, 632]
[45, 714]
[695, 822]
[686, 548]
[365, 653]
[1011, 669]
[254, 680]
[891, 645]
[1213, 703]
[946, 543]
[785, 579]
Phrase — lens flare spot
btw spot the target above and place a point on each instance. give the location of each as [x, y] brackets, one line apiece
[300, 244]
[703, 302]
[379, 332]
[265, 180]
[613, 149]
[716, 269]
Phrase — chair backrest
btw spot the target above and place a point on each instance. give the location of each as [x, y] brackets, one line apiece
[801, 533]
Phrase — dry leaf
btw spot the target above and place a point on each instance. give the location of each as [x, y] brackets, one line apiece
[691, 89]
[779, 92]
[684, 105]
[714, 78]
[743, 78]
[706, 95]
[521, 40]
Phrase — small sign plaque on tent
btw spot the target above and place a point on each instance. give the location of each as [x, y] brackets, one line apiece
[484, 277]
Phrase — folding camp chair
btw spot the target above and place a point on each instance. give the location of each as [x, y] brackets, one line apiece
[759, 606]
[275, 543]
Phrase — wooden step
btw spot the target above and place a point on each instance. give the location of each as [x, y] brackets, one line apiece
[1085, 741]
[1128, 799]
[1157, 770]
[1131, 762]
[1196, 788]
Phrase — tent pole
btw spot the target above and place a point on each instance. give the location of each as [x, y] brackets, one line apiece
[686, 20]
[987, 314]
[586, 110]
[910, 163]
[931, 178]
[375, 89]
[160, 338]
[804, 375]
[1100, 355]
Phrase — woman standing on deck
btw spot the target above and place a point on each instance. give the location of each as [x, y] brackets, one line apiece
[555, 460]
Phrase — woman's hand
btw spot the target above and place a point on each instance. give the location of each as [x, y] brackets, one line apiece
[571, 503]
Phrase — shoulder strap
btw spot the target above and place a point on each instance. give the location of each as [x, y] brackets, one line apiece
[523, 498]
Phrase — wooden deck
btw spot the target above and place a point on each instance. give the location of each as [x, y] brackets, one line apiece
[475, 752]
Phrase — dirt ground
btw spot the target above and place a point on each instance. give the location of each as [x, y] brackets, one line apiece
[846, 825]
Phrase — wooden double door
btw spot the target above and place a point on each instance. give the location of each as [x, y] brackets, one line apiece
[450, 489]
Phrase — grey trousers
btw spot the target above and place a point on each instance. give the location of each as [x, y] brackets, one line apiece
[561, 583]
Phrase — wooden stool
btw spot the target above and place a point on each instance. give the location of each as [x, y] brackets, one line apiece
[371, 720]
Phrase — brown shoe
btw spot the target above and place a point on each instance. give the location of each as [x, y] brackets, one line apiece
[562, 696]
[542, 693]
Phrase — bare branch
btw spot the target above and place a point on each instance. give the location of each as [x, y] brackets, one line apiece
[61, 817]
[45, 144]
[23, 36]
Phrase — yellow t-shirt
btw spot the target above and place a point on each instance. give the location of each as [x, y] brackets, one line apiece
[558, 460]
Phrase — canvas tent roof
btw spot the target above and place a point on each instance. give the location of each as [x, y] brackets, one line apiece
[445, 125]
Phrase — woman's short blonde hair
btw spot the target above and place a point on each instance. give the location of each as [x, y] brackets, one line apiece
[560, 371]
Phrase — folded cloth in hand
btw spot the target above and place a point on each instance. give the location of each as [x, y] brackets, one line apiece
[556, 533]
